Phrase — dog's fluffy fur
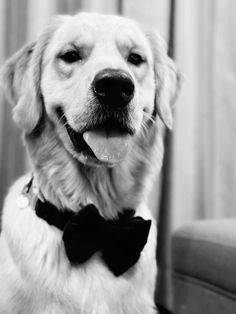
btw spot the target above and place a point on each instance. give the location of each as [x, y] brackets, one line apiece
[35, 274]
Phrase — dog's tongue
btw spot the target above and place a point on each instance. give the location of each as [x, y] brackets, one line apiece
[108, 146]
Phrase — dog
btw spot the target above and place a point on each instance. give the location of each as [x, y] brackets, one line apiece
[90, 95]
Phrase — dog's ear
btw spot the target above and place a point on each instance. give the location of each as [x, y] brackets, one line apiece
[167, 79]
[22, 87]
[13, 73]
[20, 77]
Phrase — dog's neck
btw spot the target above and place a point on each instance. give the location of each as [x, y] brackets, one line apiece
[67, 183]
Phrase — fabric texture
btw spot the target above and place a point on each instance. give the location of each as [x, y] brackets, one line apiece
[120, 241]
[197, 297]
[204, 265]
[204, 172]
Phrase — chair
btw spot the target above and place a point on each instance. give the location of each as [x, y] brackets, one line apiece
[204, 268]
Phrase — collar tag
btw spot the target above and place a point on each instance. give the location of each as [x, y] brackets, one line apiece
[29, 195]
[22, 201]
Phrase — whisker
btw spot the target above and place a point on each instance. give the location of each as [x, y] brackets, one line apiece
[149, 118]
[62, 119]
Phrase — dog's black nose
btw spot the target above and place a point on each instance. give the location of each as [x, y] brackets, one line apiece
[113, 87]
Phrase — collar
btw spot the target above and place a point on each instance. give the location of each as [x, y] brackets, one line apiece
[120, 241]
[31, 195]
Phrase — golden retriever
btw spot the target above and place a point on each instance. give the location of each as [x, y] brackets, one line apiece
[89, 95]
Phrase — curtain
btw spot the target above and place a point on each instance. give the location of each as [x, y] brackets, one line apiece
[13, 33]
[204, 153]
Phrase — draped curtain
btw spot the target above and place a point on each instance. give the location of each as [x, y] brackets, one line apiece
[204, 152]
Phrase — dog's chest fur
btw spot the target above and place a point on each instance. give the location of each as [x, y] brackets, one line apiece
[41, 280]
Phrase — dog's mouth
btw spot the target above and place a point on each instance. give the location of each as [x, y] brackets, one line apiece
[105, 142]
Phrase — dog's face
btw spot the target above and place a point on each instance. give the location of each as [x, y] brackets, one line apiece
[98, 79]
[97, 82]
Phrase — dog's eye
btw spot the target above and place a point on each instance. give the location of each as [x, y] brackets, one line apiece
[70, 56]
[135, 59]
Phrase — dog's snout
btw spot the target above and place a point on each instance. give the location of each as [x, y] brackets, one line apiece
[113, 87]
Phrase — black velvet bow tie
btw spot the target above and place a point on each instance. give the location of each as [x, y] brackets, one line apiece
[120, 241]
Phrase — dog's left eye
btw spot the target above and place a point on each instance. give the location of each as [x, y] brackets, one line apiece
[135, 59]
[70, 56]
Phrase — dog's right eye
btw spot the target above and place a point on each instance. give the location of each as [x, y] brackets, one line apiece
[70, 56]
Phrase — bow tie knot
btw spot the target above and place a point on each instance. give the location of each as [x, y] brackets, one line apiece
[119, 241]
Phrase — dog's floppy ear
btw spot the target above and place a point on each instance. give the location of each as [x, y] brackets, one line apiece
[14, 71]
[20, 77]
[21, 88]
[167, 79]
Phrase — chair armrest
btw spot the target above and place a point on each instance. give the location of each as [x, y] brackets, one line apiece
[204, 267]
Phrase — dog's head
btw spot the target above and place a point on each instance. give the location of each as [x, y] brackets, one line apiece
[98, 79]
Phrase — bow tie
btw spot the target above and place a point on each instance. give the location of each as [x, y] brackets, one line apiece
[120, 241]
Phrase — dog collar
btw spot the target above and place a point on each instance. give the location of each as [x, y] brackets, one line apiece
[120, 241]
